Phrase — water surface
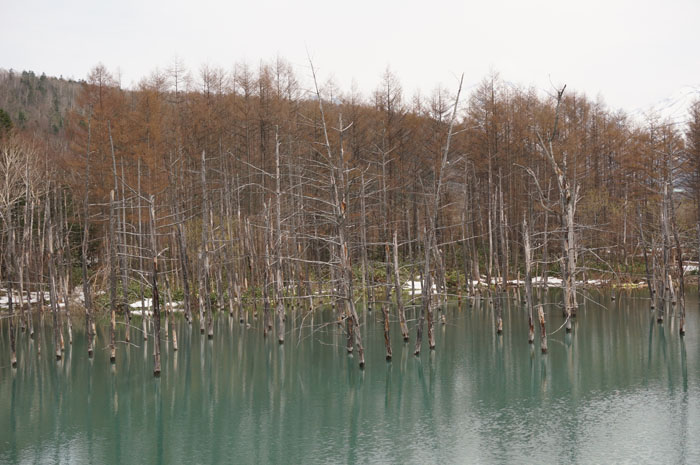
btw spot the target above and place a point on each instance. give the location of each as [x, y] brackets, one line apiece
[619, 389]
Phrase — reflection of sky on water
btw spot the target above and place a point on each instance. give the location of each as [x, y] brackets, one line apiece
[620, 388]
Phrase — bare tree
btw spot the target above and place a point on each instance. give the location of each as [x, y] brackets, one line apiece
[568, 199]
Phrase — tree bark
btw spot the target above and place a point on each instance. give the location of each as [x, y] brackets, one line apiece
[156, 296]
[528, 282]
[52, 280]
[279, 279]
[387, 302]
[397, 286]
[543, 332]
[113, 279]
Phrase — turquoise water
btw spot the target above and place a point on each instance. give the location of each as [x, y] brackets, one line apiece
[619, 389]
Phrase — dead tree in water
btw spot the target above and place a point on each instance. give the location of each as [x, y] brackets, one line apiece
[337, 167]
[430, 233]
[184, 266]
[124, 261]
[173, 333]
[387, 302]
[267, 319]
[426, 289]
[117, 250]
[140, 244]
[205, 252]
[397, 286]
[543, 331]
[666, 284]
[23, 261]
[66, 260]
[87, 295]
[649, 278]
[279, 279]
[568, 199]
[52, 280]
[364, 262]
[528, 282]
[498, 261]
[113, 279]
[9, 267]
[156, 296]
[679, 257]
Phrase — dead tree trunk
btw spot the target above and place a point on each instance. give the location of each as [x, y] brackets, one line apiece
[543, 331]
[397, 286]
[26, 251]
[154, 285]
[11, 326]
[366, 283]
[113, 279]
[679, 257]
[184, 265]
[173, 334]
[205, 250]
[650, 281]
[267, 320]
[52, 280]
[666, 252]
[124, 262]
[387, 301]
[9, 254]
[497, 302]
[141, 248]
[425, 291]
[336, 164]
[87, 295]
[279, 279]
[528, 282]
[568, 198]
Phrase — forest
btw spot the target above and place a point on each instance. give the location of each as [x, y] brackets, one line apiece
[265, 195]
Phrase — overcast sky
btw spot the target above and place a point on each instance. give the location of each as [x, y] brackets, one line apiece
[631, 53]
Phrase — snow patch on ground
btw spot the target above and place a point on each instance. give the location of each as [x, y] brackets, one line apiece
[416, 286]
[32, 296]
[148, 303]
[690, 267]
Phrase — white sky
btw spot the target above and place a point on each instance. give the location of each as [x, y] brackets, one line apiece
[632, 53]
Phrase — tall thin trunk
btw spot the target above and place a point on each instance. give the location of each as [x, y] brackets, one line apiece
[679, 257]
[543, 331]
[9, 254]
[387, 301]
[528, 281]
[87, 295]
[425, 291]
[141, 267]
[113, 279]
[267, 320]
[156, 297]
[52, 280]
[397, 286]
[568, 197]
[279, 283]
[205, 250]
[665, 233]
[363, 244]
[497, 299]
[650, 281]
[184, 265]
[124, 262]
[340, 200]
[173, 334]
